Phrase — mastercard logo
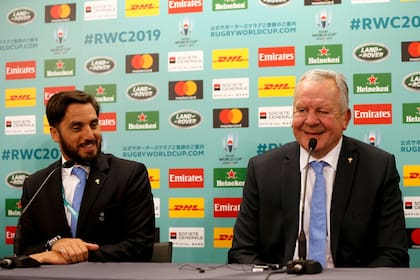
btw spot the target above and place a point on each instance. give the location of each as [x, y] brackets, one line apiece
[60, 11]
[414, 49]
[142, 61]
[230, 116]
[185, 88]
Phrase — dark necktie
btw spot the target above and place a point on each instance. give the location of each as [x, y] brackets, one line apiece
[318, 219]
[77, 196]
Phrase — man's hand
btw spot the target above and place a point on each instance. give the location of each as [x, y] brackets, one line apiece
[49, 257]
[73, 250]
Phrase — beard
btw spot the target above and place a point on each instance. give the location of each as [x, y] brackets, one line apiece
[73, 153]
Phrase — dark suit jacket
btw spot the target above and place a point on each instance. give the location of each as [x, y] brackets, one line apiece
[117, 211]
[367, 219]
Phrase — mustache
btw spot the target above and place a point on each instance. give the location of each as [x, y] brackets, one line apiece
[89, 142]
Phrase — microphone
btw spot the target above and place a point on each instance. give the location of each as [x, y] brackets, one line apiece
[21, 261]
[302, 265]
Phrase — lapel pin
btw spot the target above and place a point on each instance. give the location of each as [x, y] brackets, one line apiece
[349, 159]
[97, 181]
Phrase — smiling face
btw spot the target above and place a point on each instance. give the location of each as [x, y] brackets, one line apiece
[78, 134]
[318, 113]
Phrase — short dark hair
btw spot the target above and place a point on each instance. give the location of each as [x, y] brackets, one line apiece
[58, 103]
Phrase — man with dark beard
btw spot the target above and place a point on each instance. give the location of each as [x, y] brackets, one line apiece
[115, 222]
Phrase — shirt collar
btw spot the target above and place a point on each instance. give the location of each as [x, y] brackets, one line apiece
[331, 158]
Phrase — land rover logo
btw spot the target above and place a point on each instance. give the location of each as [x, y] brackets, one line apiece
[412, 81]
[21, 16]
[100, 65]
[185, 119]
[16, 179]
[144, 91]
[372, 52]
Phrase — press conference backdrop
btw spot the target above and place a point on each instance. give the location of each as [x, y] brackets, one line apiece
[194, 88]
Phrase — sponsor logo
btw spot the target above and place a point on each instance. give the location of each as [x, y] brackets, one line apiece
[224, 5]
[135, 8]
[59, 67]
[21, 70]
[100, 65]
[185, 90]
[323, 21]
[323, 54]
[222, 237]
[412, 206]
[185, 119]
[412, 81]
[186, 178]
[372, 114]
[13, 207]
[187, 237]
[276, 116]
[371, 52]
[50, 91]
[411, 175]
[185, 29]
[274, 3]
[230, 59]
[230, 142]
[413, 236]
[372, 83]
[10, 235]
[276, 86]
[142, 63]
[186, 207]
[60, 13]
[276, 56]
[20, 125]
[230, 118]
[410, 51]
[226, 207]
[185, 6]
[185, 61]
[100, 10]
[104, 93]
[229, 177]
[108, 121]
[20, 97]
[16, 179]
[146, 120]
[21, 16]
[373, 138]
[411, 113]
[230, 88]
[142, 92]
[154, 177]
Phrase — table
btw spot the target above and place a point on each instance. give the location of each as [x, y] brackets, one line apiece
[158, 271]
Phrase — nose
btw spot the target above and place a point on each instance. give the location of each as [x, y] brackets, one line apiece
[312, 117]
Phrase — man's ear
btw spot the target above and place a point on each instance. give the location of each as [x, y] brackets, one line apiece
[54, 134]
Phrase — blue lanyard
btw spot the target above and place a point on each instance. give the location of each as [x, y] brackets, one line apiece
[73, 211]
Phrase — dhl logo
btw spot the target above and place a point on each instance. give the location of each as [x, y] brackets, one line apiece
[20, 97]
[230, 59]
[276, 86]
[186, 207]
[235, 58]
[411, 177]
[135, 9]
[222, 237]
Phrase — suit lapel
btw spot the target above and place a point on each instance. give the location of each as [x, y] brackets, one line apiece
[290, 180]
[94, 186]
[346, 170]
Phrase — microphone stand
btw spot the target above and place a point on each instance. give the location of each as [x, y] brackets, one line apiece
[302, 265]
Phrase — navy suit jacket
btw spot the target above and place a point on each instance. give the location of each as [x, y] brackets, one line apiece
[366, 215]
[117, 211]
